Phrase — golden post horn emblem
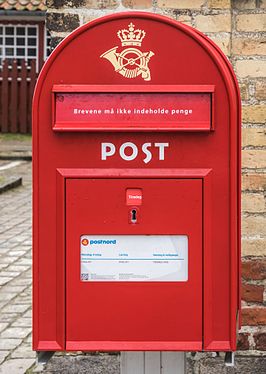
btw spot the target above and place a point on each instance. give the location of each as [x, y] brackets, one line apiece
[131, 62]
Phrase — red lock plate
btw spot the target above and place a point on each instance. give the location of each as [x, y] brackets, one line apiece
[134, 196]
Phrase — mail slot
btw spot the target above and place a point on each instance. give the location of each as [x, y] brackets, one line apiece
[136, 140]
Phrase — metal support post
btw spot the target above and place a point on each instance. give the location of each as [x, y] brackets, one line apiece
[153, 363]
[42, 357]
[229, 359]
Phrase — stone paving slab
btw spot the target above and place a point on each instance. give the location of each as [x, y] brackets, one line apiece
[16, 366]
[15, 149]
[16, 355]
[8, 184]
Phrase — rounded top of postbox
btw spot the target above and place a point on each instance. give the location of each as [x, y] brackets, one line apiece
[135, 48]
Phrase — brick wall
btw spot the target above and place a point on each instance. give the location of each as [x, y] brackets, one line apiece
[247, 54]
[237, 27]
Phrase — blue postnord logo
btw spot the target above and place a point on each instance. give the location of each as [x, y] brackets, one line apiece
[102, 241]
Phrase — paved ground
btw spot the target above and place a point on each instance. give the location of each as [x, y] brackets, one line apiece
[13, 146]
[16, 356]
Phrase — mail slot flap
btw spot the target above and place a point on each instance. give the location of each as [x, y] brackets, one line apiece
[135, 108]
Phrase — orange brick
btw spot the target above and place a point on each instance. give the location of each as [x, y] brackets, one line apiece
[103, 4]
[244, 91]
[219, 4]
[254, 113]
[250, 68]
[254, 270]
[244, 4]
[137, 4]
[254, 182]
[261, 90]
[255, 137]
[252, 293]
[254, 226]
[251, 22]
[253, 203]
[248, 46]
[253, 247]
[181, 4]
[260, 341]
[223, 42]
[243, 342]
[253, 316]
[214, 23]
[187, 20]
[254, 159]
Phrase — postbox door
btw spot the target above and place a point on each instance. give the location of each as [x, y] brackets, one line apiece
[153, 291]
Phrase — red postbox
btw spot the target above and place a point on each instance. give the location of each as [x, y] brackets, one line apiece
[136, 124]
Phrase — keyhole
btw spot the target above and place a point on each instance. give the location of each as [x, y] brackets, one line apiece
[133, 216]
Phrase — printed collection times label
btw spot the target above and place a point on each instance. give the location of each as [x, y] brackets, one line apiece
[134, 258]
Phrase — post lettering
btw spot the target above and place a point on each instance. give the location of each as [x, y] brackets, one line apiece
[161, 147]
[147, 152]
[129, 151]
[133, 154]
[108, 149]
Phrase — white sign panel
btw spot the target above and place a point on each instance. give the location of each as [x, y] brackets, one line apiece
[134, 258]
